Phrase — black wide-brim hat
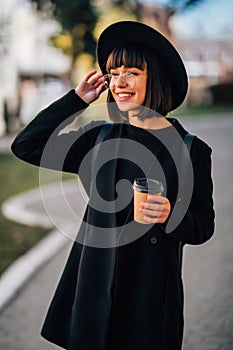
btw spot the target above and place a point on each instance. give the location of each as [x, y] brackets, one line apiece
[130, 31]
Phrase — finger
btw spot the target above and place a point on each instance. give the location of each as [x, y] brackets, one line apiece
[152, 213]
[154, 206]
[156, 199]
[101, 88]
[155, 212]
[96, 79]
[90, 74]
[97, 82]
[154, 220]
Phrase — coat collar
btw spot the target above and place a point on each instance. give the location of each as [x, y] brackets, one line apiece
[181, 130]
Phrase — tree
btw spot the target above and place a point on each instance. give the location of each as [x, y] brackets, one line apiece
[133, 6]
[78, 19]
[173, 5]
[160, 15]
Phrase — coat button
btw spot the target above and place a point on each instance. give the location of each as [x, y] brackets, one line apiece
[153, 240]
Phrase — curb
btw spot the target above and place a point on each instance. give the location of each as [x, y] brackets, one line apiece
[27, 208]
[24, 268]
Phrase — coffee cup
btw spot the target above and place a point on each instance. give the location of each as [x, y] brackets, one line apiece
[142, 188]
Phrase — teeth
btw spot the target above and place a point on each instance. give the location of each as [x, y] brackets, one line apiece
[124, 95]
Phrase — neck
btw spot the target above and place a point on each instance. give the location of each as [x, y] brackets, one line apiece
[149, 123]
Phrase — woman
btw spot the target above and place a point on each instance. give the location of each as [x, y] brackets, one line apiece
[122, 285]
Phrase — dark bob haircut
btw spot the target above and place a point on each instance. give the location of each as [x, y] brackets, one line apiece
[158, 99]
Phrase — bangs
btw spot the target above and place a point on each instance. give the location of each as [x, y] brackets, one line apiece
[128, 55]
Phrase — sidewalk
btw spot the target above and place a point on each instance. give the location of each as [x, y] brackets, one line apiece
[5, 142]
[207, 270]
[48, 206]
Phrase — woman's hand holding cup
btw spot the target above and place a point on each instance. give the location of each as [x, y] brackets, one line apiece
[150, 206]
[156, 209]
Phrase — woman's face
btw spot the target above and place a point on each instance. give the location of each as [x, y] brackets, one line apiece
[128, 87]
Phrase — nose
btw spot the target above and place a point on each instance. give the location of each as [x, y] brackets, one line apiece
[120, 81]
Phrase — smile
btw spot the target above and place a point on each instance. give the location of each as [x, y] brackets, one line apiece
[122, 95]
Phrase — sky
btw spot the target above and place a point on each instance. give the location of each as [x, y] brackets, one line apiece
[211, 18]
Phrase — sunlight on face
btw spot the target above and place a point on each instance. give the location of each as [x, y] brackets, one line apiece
[128, 87]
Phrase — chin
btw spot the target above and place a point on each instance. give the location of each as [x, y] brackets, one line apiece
[126, 106]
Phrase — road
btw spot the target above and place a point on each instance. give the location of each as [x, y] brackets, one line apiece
[207, 269]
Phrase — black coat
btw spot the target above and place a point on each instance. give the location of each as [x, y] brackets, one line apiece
[130, 296]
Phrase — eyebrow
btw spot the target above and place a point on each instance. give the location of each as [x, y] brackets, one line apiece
[125, 67]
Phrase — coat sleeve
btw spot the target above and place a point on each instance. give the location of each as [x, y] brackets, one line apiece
[197, 221]
[43, 143]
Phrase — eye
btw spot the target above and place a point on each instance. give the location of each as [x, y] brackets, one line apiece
[131, 74]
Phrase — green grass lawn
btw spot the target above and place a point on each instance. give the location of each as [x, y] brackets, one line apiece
[15, 239]
[201, 111]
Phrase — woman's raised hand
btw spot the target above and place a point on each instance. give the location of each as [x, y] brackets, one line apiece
[90, 88]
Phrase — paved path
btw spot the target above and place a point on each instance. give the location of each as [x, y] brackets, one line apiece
[208, 269]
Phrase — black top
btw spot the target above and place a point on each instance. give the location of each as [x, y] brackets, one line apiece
[128, 297]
